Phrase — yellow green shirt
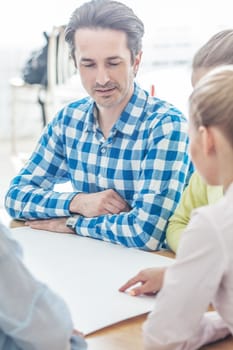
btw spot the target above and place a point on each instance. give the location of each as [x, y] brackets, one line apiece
[196, 194]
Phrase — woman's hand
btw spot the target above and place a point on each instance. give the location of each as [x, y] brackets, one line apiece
[150, 280]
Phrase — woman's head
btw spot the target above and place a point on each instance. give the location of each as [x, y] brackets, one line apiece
[217, 51]
[211, 113]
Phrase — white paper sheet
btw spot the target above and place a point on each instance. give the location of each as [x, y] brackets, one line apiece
[87, 274]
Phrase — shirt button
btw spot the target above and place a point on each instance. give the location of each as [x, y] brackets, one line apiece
[103, 150]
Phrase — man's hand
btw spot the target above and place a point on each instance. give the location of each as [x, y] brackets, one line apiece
[150, 280]
[99, 203]
[55, 225]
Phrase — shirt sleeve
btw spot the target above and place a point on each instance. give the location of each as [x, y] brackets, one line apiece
[30, 313]
[31, 193]
[179, 319]
[194, 196]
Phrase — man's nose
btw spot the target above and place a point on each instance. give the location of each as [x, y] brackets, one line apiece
[102, 76]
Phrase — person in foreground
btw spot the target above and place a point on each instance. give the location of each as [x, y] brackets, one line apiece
[202, 273]
[217, 51]
[124, 151]
[32, 317]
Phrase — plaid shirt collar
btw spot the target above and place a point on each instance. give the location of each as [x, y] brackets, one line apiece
[129, 117]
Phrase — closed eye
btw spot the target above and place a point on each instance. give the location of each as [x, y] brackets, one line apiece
[114, 63]
[88, 64]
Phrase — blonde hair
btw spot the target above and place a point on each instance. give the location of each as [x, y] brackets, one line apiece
[211, 102]
[218, 50]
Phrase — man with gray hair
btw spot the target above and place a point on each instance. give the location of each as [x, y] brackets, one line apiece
[124, 152]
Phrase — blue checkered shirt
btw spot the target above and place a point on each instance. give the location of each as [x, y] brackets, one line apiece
[145, 159]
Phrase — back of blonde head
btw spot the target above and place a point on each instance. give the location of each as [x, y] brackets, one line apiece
[217, 51]
[211, 102]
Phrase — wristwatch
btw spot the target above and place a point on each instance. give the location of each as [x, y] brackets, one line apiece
[71, 222]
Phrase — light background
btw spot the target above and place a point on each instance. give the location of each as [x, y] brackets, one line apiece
[174, 29]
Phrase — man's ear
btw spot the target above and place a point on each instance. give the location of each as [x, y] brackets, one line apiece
[137, 62]
[207, 139]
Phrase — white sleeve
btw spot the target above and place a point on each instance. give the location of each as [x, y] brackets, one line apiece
[30, 313]
[178, 320]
